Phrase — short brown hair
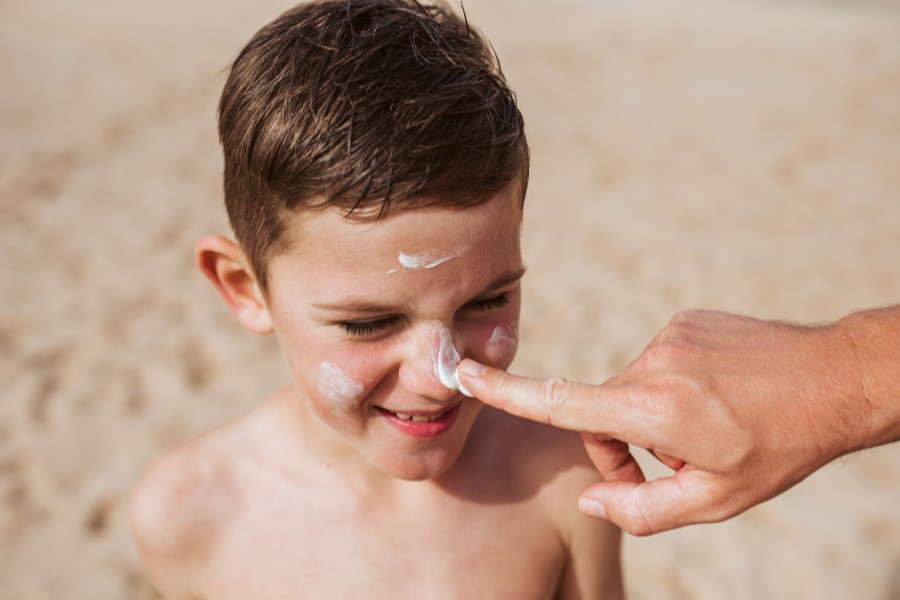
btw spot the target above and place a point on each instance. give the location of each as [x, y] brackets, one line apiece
[364, 105]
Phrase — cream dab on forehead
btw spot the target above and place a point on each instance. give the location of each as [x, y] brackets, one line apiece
[337, 388]
[428, 260]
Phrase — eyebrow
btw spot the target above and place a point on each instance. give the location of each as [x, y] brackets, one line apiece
[365, 307]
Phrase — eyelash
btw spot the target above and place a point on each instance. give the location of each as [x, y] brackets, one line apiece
[369, 328]
[487, 304]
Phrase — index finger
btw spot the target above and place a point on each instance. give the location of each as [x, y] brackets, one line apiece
[557, 402]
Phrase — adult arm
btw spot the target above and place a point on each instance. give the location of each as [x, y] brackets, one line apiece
[741, 409]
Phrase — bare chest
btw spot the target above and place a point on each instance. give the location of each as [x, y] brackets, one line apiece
[457, 550]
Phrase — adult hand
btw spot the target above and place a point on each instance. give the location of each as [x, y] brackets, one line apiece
[741, 409]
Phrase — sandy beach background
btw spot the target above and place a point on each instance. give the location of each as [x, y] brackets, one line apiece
[735, 155]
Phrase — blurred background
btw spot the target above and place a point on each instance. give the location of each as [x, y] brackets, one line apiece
[736, 155]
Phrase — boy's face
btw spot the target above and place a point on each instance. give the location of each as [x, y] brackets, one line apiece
[371, 316]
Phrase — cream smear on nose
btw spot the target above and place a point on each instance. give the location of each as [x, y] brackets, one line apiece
[429, 260]
[447, 361]
[336, 387]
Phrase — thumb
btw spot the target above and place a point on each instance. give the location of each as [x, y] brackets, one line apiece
[561, 403]
[651, 507]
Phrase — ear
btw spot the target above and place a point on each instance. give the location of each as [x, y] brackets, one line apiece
[223, 263]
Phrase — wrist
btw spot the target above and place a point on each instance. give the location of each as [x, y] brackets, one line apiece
[873, 340]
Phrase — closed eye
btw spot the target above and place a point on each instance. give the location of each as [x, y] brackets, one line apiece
[370, 328]
[488, 304]
[367, 328]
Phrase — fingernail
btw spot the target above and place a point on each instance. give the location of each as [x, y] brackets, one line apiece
[470, 367]
[459, 384]
[592, 508]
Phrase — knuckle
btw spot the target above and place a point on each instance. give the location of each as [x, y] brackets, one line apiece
[672, 404]
[687, 316]
[665, 353]
[676, 346]
[554, 394]
[652, 400]
[696, 317]
[635, 522]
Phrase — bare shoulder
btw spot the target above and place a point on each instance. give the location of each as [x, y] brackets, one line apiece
[549, 466]
[187, 500]
[177, 510]
[185, 497]
[540, 451]
[179, 498]
[554, 464]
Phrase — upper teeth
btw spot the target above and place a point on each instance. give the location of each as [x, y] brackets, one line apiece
[416, 418]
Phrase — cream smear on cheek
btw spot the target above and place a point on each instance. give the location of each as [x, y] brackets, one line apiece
[337, 388]
[503, 342]
[429, 260]
[446, 359]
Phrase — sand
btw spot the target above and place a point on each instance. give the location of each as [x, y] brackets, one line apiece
[742, 156]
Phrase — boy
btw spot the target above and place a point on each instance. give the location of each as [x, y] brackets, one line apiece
[375, 172]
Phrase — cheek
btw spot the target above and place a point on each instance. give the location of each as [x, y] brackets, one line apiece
[338, 391]
[500, 347]
[494, 344]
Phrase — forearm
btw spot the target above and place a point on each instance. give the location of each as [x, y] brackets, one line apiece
[874, 338]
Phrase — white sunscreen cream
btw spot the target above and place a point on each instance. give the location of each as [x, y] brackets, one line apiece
[416, 262]
[338, 388]
[447, 361]
[503, 339]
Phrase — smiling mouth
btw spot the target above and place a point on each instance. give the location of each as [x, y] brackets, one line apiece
[417, 418]
[422, 424]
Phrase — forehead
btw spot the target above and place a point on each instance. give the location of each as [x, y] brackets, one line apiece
[443, 245]
[415, 229]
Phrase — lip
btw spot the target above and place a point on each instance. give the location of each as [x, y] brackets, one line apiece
[422, 429]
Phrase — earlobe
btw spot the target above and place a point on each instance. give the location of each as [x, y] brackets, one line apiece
[223, 263]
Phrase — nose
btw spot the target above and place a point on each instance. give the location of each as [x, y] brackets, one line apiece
[428, 368]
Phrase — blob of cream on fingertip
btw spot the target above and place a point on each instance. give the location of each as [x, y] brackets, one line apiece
[459, 384]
